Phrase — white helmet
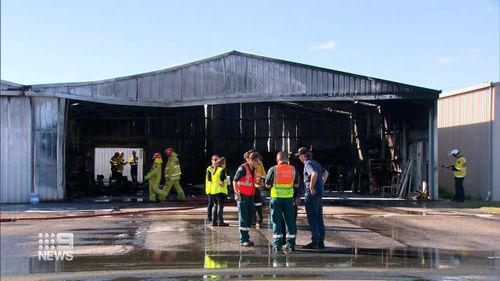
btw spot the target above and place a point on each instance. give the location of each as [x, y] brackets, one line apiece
[454, 152]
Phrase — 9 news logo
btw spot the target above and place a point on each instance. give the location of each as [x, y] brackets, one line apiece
[55, 246]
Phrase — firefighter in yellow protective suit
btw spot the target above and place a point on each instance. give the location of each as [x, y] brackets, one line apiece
[154, 177]
[120, 163]
[173, 174]
[114, 166]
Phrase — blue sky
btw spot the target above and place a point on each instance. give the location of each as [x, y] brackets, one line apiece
[440, 44]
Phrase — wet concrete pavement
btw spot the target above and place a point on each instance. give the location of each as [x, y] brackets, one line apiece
[362, 242]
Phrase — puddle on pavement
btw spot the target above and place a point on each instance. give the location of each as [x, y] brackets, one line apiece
[201, 254]
[328, 258]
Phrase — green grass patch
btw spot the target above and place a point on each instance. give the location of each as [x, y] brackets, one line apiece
[483, 204]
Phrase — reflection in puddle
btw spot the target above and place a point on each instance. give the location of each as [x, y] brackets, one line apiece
[334, 258]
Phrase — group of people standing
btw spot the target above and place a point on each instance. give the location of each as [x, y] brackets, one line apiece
[117, 163]
[172, 176]
[283, 181]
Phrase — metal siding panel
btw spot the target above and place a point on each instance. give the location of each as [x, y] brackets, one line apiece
[227, 76]
[336, 88]
[198, 82]
[352, 86]
[126, 89]
[210, 80]
[155, 88]
[495, 177]
[309, 83]
[324, 86]
[314, 82]
[266, 72]
[261, 82]
[298, 81]
[341, 85]
[188, 80]
[177, 86]
[104, 90]
[61, 148]
[242, 75]
[464, 123]
[272, 78]
[81, 91]
[45, 127]
[278, 85]
[249, 81]
[16, 150]
[302, 81]
[144, 88]
[220, 76]
[330, 83]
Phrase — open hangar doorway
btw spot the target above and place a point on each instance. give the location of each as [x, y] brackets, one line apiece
[362, 144]
[102, 127]
[365, 145]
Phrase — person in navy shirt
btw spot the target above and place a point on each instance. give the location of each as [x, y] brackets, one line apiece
[314, 178]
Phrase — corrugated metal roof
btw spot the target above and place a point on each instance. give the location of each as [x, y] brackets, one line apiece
[5, 85]
[466, 90]
[235, 77]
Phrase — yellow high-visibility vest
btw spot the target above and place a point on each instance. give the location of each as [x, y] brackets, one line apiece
[218, 186]
[208, 184]
[210, 262]
[460, 165]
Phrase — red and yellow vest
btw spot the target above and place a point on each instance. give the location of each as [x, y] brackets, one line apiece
[284, 177]
[246, 185]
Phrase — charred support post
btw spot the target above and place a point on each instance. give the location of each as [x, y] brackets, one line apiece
[432, 152]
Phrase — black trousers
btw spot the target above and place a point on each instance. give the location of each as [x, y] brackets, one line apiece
[257, 200]
[210, 206]
[459, 190]
[133, 173]
[218, 210]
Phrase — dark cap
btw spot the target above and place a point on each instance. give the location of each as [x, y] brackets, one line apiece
[303, 150]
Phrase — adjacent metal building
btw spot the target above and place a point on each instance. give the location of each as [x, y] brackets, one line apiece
[468, 120]
[252, 94]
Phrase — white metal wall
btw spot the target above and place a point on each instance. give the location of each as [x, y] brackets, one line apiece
[16, 149]
[496, 144]
[464, 122]
[104, 154]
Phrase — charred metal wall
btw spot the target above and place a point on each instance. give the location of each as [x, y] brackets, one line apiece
[48, 150]
[152, 129]
[271, 127]
[32, 157]
[197, 132]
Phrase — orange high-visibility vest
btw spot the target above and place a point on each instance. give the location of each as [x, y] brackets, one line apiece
[246, 184]
[284, 177]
